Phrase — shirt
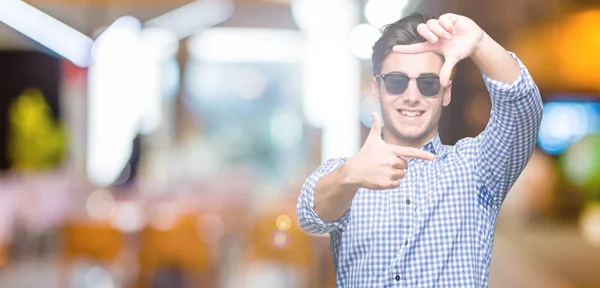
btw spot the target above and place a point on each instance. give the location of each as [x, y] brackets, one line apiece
[437, 228]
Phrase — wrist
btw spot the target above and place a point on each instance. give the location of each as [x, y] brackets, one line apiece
[347, 178]
[481, 47]
[494, 61]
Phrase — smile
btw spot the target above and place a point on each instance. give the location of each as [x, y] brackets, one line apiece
[410, 114]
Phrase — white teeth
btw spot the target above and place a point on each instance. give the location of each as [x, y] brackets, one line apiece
[411, 114]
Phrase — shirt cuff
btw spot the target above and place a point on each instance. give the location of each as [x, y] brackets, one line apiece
[313, 221]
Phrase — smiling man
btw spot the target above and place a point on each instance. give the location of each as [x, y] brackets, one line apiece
[406, 210]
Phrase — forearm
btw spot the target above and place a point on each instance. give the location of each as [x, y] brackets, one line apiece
[323, 197]
[506, 145]
[333, 195]
[494, 61]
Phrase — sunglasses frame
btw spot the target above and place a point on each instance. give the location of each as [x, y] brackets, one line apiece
[384, 76]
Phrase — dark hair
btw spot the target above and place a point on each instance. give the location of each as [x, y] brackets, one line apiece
[401, 32]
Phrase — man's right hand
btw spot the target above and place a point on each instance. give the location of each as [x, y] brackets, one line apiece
[379, 166]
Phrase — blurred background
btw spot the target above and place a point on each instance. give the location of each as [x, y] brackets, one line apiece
[154, 143]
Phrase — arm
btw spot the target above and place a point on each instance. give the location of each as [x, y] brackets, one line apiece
[324, 203]
[506, 144]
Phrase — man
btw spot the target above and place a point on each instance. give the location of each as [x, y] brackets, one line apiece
[407, 211]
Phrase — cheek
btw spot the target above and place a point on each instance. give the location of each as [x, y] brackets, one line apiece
[386, 108]
[386, 101]
[435, 107]
[437, 113]
[436, 104]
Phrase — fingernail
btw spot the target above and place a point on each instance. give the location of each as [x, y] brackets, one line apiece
[434, 38]
[448, 36]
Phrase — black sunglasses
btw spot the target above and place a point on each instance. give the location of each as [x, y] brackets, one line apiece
[396, 83]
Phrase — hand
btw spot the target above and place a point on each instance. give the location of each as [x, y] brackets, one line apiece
[453, 36]
[379, 165]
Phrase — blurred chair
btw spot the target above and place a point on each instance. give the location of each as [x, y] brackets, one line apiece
[277, 245]
[97, 241]
[178, 248]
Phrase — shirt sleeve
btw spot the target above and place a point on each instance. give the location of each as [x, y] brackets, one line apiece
[506, 144]
[308, 218]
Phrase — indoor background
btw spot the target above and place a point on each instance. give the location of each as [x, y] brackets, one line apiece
[155, 143]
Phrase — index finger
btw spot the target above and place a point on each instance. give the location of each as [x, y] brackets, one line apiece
[412, 153]
[414, 48]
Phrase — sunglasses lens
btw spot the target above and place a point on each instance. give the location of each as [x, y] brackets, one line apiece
[429, 86]
[396, 84]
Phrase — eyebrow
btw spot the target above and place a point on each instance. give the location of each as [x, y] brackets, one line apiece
[429, 75]
[420, 75]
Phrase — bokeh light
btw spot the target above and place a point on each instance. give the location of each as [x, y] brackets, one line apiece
[382, 12]
[284, 222]
[98, 278]
[128, 217]
[100, 204]
[590, 224]
[563, 123]
[280, 239]
[164, 216]
[361, 40]
[581, 164]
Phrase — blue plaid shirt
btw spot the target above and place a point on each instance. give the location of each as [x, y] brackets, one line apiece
[437, 228]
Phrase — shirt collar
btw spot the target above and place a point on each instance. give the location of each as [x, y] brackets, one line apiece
[434, 145]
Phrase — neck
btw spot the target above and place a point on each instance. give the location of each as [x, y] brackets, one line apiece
[418, 143]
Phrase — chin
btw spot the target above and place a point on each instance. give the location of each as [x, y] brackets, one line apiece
[409, 131]
[412, 136]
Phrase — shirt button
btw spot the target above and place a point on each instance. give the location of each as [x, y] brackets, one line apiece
[405, 242]
[397, 278]
[407, 201]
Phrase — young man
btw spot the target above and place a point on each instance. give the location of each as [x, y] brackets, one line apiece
[407, 211]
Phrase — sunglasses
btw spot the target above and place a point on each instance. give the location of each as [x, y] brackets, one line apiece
[396, 84]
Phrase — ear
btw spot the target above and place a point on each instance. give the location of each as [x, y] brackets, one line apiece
[375, 90]
[447, 96]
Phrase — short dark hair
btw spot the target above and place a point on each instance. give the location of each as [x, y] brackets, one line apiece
[401, 32]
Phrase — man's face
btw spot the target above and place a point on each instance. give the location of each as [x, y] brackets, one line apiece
[411, 116]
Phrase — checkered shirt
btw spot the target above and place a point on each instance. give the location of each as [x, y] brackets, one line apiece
[437, 228]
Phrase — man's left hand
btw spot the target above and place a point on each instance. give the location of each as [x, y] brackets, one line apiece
[453, 36]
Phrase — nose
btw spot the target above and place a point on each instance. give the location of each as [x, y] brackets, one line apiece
[412, 95]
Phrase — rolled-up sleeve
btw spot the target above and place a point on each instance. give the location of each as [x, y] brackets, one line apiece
[309, 221]
[506, 145]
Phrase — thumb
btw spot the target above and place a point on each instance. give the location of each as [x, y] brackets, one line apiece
[446, 70]
[375, 134]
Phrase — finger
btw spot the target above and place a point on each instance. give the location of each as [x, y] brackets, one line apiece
[412, 153]
[400, 163]
[375, 134]
[398, 174]
[447, 23]
[437, 29]
[394, 183]
[427, 33]
[446, 70]
[415, 48]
